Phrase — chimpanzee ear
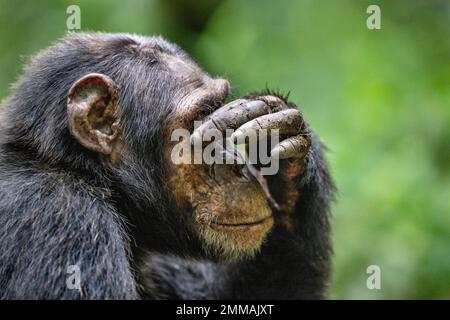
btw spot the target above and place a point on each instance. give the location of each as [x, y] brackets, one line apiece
[93, 112]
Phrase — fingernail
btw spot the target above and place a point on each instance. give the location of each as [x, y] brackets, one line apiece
[255, 104]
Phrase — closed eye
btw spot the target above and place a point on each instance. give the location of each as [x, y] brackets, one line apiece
[209, 104]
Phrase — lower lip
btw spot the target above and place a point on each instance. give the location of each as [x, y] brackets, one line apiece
[242, 226]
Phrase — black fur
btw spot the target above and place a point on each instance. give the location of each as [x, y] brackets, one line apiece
[289, 266]
[62, 205]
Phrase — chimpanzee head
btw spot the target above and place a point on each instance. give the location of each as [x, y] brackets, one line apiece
[104, 106]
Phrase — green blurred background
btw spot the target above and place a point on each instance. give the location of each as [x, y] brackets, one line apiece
[380, 99]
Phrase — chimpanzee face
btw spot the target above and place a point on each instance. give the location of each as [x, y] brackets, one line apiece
[230, 210]
[224, 204]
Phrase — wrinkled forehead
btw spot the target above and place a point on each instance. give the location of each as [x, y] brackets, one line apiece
[200, 90]
[193, 88]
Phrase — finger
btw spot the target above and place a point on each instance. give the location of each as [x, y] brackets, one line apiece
[276, 103]
[288, 122]
[231, 116]
[293, 147]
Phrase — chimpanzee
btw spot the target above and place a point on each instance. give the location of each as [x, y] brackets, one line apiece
[86, 180]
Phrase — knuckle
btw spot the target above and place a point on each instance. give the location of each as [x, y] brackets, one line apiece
[275, 103]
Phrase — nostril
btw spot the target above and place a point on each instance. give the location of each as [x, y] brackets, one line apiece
[228, 164]
[239, 170]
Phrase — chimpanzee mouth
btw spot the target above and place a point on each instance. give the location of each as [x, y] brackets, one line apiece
[243, 225]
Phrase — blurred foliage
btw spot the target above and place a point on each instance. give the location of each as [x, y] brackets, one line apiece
[380, 99]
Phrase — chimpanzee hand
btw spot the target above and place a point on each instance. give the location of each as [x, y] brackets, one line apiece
[256, 113]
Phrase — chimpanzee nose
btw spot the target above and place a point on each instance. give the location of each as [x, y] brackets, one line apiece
[232, 164]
